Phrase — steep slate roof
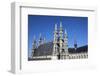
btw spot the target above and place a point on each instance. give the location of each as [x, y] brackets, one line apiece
[81, 49]
[47, 49]
[44, 49]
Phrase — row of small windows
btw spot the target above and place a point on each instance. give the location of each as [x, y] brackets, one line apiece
[78, 57]
[74, 57]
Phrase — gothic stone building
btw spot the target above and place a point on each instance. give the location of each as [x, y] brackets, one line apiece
[58, 48]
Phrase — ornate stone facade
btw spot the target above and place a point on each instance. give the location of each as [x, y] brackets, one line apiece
[58, 49]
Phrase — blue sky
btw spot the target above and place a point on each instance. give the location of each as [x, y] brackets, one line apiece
[77, 27]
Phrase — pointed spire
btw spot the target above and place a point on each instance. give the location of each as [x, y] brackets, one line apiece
[34, 38]
[65, 35]
[44, 40]
[40, 35]
[55, 26]
[61, 29]
[75, 42]
[40, 39]
[60, 24]
[34, 42]
[65, 31]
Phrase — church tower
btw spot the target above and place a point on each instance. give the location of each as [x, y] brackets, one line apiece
[34, 46]
[55, 41]
[61, 41]
[65, 43]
